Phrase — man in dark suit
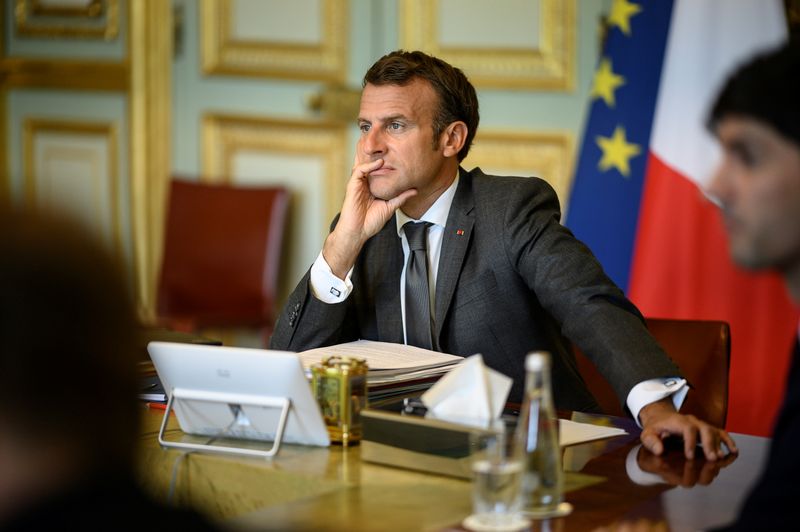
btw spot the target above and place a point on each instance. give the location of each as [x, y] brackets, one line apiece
[426, 253]
[757, 186]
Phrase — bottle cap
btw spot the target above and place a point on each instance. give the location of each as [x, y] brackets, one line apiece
[537, 361]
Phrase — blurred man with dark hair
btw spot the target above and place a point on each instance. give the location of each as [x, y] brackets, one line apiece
[757, 187]
[69, 415]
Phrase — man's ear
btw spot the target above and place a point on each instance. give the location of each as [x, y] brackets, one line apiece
[453, 138]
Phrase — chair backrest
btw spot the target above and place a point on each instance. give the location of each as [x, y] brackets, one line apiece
[222, 253]
[700, 348]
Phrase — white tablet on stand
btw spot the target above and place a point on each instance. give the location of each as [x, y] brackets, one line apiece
[235, 392]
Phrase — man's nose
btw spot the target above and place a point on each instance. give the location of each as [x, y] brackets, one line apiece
[372, 142]
[716, 188]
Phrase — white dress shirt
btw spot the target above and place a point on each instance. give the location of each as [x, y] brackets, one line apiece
[328, 288]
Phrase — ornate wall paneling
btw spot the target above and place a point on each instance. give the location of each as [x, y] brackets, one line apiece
[525, 44]
[67, 18]
[85, 87]
[74, 165]
[266, 39]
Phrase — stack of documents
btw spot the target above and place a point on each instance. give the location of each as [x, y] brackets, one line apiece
[394, 369]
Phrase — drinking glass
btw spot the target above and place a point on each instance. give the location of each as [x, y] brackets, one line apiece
[497, 469]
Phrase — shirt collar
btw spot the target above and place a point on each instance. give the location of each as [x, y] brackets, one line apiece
[436, 214]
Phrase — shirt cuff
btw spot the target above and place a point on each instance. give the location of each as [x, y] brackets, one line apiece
[325, 285]
[653, 390]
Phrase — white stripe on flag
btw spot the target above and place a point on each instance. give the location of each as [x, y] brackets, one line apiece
[707, 40]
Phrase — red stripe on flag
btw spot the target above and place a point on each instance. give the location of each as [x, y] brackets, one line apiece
[681, 269]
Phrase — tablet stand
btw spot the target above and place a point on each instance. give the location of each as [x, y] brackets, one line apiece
[284, 403]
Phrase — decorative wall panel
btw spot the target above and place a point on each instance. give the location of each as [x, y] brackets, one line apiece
[526, 44]
[263, 38]
[73, 166]
[67, 18]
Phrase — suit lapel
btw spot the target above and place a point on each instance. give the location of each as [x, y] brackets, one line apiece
[457, 235]
[388, 266]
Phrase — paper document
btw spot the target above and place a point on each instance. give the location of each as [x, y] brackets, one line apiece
[387, 362]
[572, 432]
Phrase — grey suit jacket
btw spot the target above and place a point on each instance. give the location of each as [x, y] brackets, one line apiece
[511, 280]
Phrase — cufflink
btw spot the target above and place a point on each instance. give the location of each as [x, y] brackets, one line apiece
[335, 292]
[670, 383]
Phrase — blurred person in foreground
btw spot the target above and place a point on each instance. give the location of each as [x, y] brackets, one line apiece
[69, 414]
[757, 186]
[756, 119]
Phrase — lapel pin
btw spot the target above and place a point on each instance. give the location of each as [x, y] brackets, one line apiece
[460, 232]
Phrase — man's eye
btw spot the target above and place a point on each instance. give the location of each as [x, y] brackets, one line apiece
[364, 127]
[395, 126]
[748, 157]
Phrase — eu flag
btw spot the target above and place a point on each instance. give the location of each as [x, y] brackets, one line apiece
[604, 204]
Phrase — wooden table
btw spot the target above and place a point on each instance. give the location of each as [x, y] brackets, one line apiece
[332, 489]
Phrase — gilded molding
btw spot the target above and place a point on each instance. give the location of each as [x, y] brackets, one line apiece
[336, 102]
[149, 115]
[222, 53]
[93, 8]
[547, 155]
[108, 130]
[5, 181]
[27, 12]
[551, 66]
[63, 74]
[226, 135]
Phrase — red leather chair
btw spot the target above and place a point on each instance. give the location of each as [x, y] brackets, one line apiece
[700, 348]
[222, 255]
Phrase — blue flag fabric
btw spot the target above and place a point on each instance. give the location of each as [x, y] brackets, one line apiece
[607, 189]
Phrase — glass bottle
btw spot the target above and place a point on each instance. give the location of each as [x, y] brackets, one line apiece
[543, 480]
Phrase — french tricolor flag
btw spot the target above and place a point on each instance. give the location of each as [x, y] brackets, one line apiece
[637, 198]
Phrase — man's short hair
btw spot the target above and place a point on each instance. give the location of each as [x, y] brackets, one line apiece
[766, 89]
[457, 98]
[68, 340]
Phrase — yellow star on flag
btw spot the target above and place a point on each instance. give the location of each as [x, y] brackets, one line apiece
[621, 13]
[606, 82]
[617, 152]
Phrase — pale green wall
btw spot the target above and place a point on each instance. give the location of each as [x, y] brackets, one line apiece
[374, 32]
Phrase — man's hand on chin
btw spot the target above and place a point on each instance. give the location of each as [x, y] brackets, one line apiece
[660, 420]
[361, 217]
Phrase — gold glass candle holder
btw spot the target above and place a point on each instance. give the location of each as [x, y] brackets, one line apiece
[340, 387]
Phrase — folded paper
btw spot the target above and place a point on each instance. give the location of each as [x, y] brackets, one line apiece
[471, 393]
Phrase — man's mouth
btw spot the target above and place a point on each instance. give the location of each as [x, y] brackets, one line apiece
[383, 170]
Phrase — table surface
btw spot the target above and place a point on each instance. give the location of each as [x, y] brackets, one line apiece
[332, 489]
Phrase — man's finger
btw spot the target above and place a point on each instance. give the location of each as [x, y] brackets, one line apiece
[398, 200]
[652, 442]
[689, 441]
[365, 168]
[728, 441]
[710, 438]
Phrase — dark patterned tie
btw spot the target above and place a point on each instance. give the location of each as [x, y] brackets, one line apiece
[418, 301]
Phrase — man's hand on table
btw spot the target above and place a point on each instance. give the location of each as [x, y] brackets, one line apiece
[677, 471]
[660, 420]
